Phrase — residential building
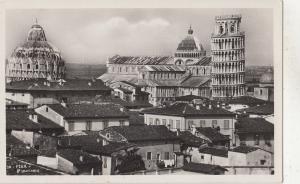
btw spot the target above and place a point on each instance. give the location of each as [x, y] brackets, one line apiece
[85, 117]
[156, 144]
[37, 92]
[250, 160]
[265, 90]
[255, 132]
[13, 105]
[211, 155]
[184, 116]
[28, 120]
[213, 136]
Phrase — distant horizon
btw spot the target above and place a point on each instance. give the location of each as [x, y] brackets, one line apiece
[91, 36]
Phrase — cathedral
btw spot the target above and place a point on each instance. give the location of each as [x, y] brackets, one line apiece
[190, 71]
[36, 58]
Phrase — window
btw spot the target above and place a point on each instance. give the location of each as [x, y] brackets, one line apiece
[164, 122]
[23, 94]
[202, 123]
[267, 140]
[88, 125]
[105, 124]
[226, 124]
[28, 66]
[71, 126]
[262, 162]
[214, 123]
[47, 109]
[260, 92]
[157, 156]
[156, 122]
[171, 123]
[37, 147]
[202, 157]
[36, 66]
[178, 124]
[256, 139]
[122, 123]
[149, 155]
[232, 28]
[12, 94]
[150, 121]
[190, 124]
[104, 162]
[167, 156]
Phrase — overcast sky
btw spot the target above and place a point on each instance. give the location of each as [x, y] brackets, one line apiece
[90, 36]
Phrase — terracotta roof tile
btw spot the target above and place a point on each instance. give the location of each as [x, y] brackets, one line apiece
[244, 149]
[214, 151]
[212, 134]
[253, 125]
[78, 157]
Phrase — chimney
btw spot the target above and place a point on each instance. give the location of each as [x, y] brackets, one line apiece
[122, 109]
[193, 129]
[197, 106]
[63, 104]
[81, 158]
[89, 83]
[209, 106]
[48, 84]
[45, 83]
[177, 132]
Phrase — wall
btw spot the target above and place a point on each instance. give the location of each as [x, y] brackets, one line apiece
[20, 97]
[261, 93]
[237, 159]
[250, 141]
[65, 165]
[251, 170]
[168, 118]
[48, 161]
[254, 158]
[97, 124]
[108, 169]
[51, 114]
[24, 136]
[44, 142]
[208, 158]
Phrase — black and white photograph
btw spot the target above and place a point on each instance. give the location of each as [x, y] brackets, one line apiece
[141, 91]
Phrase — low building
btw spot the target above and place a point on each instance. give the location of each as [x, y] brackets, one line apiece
[156, 144]
[85, 117]
[255, 132]
[78, 162]
[130, 92]
[212, 156]
[37, 92]
[18, 149]
[250, 160]
[184, 116]
[265, 90]
[28, 120]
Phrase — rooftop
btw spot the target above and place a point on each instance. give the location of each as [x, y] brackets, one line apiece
[78, 141]
[253, 125]
[78, 157]
[202, 168]
[212, 134]
[142, 133]
[246, 100]
[189, 98]
[244, 149]
[57, 85]
[141, 60]
[165, 68]
[264, 109]
[108, 149]
[187, 110]
[19, 120]
[214, 151]
[191, 140]
[193, 81]
[204, 61]
[190, 43]
[103, 110]
[10, 102]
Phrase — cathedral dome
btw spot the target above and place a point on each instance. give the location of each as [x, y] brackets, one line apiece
[36, 58]
[189, 43]
[267, 78]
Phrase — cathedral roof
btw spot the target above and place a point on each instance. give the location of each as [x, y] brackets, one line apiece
[190, 42]
[141, 60]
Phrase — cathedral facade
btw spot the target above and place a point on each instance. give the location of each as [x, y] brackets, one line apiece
[36, 58]
[190, 71]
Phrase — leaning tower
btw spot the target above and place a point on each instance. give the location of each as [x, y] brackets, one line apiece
[228, 58]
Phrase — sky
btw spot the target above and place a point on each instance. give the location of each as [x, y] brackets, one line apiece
[90, 36]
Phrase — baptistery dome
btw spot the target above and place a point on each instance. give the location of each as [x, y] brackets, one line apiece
[36, 58]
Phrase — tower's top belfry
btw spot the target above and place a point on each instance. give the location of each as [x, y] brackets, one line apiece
[227, 25]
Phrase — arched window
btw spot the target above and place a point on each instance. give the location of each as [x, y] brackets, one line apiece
[37, 67]
[28, 66]
[232, 28]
